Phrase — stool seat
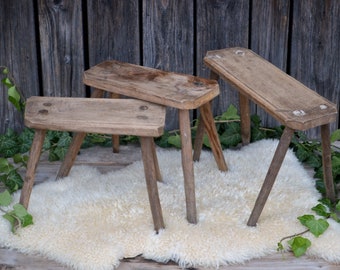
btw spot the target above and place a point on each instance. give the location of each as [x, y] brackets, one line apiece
[171, 89]
[97, 115]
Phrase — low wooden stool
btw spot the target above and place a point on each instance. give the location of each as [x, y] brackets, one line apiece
[106, 116]
[286, 99]
[180, 91]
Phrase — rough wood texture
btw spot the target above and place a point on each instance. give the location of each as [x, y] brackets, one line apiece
[18, 53]
[270, 42]
[168, 41]
[280, 95]
[103, 159]
[113, 31]
[221, 24]
[315, 54]
[166, 88]
[62, 47]
[107, 116]
[290, 102]
[150, 164]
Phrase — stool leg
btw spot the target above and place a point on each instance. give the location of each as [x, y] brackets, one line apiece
[327, 162]
[32, 163]
[273, 170]
[245, 119]
[188, 166]
[210, 129]
[71, 154]
[76, 143]
[200, 128]
[155, 162]
[115, 138]
[199, 139]
[147, 144]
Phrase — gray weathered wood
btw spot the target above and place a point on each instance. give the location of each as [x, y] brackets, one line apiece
[269, 38]
[18, 53]
[221, 24]
[62, 49]
[113, 31]
[315, 54]
[168, 40]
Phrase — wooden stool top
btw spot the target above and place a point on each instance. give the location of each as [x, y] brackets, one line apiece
[96, 115]
[282, 96]
[157, 86]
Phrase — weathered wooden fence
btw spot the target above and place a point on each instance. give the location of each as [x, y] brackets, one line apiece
[47, 44]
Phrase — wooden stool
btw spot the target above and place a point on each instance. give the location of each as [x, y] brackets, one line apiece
[106, 116]
[290, 102]
[180, 91]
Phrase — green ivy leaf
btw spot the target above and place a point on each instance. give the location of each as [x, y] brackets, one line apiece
[229, 114]
[175, 140]
[335, 136]
[5, 198]
[337, 207]
[19, 213]
[13, 181]
[303, 219]
[6, 81]
[321, 210]
[316, 227]
[299, 245]
[14, 97]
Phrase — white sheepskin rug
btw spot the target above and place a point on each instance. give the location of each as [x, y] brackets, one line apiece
[91, 220]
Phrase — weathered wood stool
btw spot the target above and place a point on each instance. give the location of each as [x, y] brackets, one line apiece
[94, 115]
[180, 91]
[290, 102]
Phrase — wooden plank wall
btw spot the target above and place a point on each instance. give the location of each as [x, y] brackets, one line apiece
[47, 44]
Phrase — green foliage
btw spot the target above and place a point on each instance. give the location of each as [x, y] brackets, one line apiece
[12, 90]
[18, 216]
[325, 209]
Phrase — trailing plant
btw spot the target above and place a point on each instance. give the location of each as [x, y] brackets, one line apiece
[316, 226]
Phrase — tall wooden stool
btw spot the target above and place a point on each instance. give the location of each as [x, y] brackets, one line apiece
[286, 99]
[180, 91]
[106, 116]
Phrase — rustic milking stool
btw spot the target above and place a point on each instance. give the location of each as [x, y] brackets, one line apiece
[106, 116]
[290, 102]
[180, 91]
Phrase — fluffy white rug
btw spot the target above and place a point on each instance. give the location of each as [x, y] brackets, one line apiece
[91, 220]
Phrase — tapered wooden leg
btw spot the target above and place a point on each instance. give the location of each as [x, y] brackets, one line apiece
[151, 181]
[272, 173]
[71, 154]
[32, 163]
[210, 128]
[200, 128]
[327, 162]
[76, 143]
[155, 162]
[188, 166]
[115, 138]
[198, 144]
[115, 143]
[245, 119]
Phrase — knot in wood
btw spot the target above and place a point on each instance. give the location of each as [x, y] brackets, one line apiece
[198, 83]
[44, 112]
[143, 108]
[47, 104]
